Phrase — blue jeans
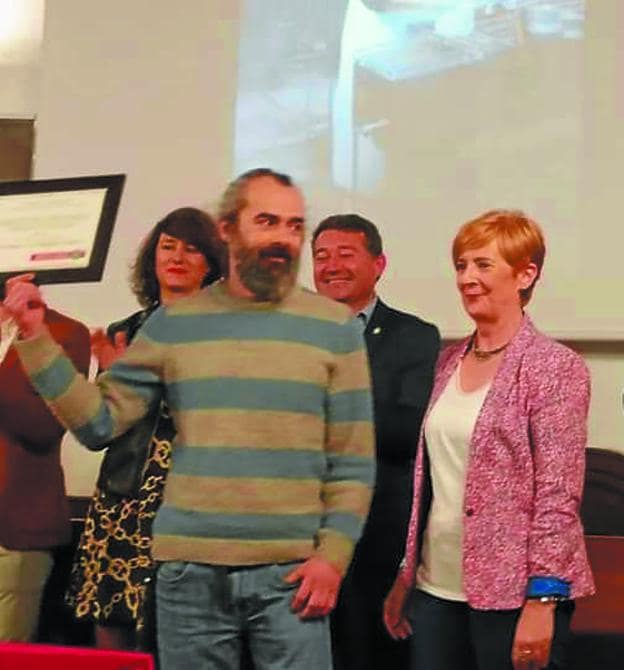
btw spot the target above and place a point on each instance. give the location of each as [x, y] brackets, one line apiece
[205, 611]
[448, 635]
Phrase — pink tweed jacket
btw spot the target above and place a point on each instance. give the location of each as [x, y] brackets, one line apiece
[525, 474]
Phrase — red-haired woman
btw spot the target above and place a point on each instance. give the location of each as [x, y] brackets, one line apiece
[495, 554]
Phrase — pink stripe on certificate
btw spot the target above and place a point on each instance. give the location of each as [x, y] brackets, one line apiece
[57, 255]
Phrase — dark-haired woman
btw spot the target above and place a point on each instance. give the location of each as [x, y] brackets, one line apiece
[113, 566]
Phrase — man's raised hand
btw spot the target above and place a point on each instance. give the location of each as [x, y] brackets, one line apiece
[25, 305]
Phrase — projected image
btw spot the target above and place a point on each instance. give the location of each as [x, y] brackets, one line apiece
[337, 91]
[288, 64]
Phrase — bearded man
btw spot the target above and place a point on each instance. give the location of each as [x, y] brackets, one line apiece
[268, 386]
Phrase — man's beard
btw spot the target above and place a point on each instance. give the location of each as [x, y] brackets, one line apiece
[259, 273]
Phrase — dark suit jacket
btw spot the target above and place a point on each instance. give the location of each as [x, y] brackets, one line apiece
[402, 352]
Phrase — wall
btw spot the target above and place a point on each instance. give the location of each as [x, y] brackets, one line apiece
[606, 419]
[21, 27]
[19, 90]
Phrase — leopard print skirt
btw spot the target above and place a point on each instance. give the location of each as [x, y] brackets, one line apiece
[113, 567]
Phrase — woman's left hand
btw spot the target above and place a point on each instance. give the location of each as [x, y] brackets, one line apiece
[534, 634]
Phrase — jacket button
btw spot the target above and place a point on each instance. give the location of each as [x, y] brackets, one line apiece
[469, 511]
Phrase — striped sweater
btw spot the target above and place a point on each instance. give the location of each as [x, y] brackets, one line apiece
[273, 459]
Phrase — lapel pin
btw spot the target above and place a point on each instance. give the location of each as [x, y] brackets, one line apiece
[376, 330]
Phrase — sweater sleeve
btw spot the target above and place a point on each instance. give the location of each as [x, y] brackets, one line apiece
[349, 446]
[95, 412]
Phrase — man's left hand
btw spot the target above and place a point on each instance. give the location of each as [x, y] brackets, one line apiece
[319, 583]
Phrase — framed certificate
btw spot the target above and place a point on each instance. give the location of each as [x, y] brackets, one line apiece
[60, 229]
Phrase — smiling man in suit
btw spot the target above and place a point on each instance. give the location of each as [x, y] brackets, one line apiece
[402, 349]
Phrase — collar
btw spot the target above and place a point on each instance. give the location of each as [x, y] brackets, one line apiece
[367, 312]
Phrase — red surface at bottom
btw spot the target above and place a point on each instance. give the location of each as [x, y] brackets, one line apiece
[18, 656]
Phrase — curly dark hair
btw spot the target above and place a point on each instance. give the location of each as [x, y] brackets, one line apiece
[190, 225]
